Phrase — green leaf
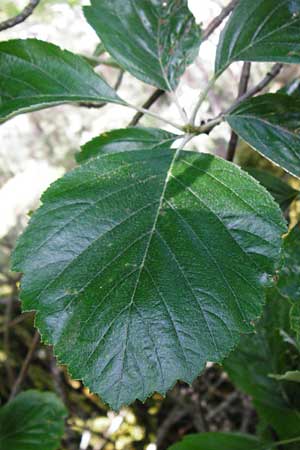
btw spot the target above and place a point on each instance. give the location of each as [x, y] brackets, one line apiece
[291, 375]
[282, 192]
[289, 280]
[259, 355]
[32, 421]
[153, 40]
[262, 30]
[142, 268]
[270, 124]
[123, 140]
[35, 75]
[295, 321]
[220, 441]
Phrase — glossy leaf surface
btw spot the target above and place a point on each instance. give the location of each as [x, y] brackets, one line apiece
[126, 139]
[127, 265]
[282, 192]
[151, 39]
[32, 421]
[261, 30]
[35, 75]
[220, 441]
[270, 124]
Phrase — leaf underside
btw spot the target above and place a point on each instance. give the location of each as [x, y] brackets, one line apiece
[165, 40]
[142, 268]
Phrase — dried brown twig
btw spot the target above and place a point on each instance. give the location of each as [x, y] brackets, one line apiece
[21, 17]
[243, 86]
[217, 21]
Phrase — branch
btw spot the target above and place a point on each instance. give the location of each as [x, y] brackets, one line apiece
[25, 366]
[276, 69]
[244, 81]
[216, 22]
[147, 105]
[224, 405]
[6, 340]
[21, 17]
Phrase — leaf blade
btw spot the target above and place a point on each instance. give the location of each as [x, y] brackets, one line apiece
[268, 353]
[261, 32]
[127, 139]
[270, 118]
[166, 37]
[226, 441]
[283, 193]
[137, 220]
[31, 421]
[36, 74]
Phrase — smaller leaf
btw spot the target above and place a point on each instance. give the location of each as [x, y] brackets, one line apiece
[165, 40]
[123, 140]
[260, 354]
[35, 75]
[261, 30]
[224, 441]
[289, 280]
[270, 124]
[32, 421]
[291, 375]
[282, 192]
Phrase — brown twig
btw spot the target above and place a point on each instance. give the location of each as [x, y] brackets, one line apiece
[276, 69]
[21, 17]
[147, 105]
[224, 405]
[216, 22]
[175, 416]
[24, 369]
[243, 86]
[6, 340]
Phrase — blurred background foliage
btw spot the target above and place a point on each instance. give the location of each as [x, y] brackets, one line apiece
[37, 148]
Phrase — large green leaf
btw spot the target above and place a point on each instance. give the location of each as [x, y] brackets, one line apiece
[142, 268]
[35, 75]
[261, 30]
[152, 39]
[282, 192]
[289, 281]
[126, 139]
[264, 353]
[270, 124]
[32, 421]
[220, 441]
